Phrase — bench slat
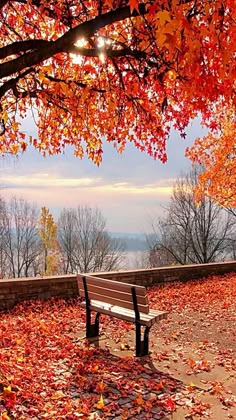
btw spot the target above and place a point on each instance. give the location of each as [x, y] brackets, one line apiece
[111, 284]
[115, 302]
[151, 316]
[116, 294]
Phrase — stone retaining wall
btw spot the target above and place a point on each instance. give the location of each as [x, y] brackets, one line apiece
[13, 291]
[152, 276]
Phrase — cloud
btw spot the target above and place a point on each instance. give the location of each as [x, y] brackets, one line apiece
[95, 185]
[127, 188]
[45, 180]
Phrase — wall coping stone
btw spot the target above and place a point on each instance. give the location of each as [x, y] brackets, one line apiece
[171, 268]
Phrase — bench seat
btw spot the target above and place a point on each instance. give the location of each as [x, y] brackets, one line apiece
[126, 314]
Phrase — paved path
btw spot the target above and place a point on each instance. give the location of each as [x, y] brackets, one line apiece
[166, 387]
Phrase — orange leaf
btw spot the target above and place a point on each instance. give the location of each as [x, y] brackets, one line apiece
[139, 400]
[101, 386]
[133, 5]
[192, 363]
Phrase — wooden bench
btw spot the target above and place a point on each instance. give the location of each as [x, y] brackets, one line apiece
[121, 300]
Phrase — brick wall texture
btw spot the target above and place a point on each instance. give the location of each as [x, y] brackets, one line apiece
[13, 291]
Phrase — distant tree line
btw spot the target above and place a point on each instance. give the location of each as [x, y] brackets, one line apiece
[191, 232]
[32, 243]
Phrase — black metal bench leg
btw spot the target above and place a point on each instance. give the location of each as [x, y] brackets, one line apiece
[92, 330]
[96, 325]
[138, 339]
[142, 346]
[88, 322]
[145, 343]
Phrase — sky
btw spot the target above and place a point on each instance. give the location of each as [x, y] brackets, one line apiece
[130, 189]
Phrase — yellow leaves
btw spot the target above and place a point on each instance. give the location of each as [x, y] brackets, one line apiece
[47, 230]
[4, 116]
[14, 148]
[101, 386]
[41, 76]
[172, 75]
[124, 346]
[4, 416]
[43, 73]
[100, 404]
[15, 125]
[7, 390]
[191, 386]
[47, 227]
[52, 264]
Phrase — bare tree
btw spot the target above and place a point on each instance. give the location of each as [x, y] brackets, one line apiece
[191, 232]
[84, 242]
[20, 242]
[231, 243]
[3, 256]
[67, 238]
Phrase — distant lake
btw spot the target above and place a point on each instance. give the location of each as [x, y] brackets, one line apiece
[133, 260]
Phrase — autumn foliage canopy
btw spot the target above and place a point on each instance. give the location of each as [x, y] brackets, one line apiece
[121, 70]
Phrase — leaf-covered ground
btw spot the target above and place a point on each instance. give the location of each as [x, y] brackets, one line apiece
[48, 370]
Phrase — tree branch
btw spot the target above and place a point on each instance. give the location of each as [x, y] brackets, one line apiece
[3, 3]
[79, 84]
[65, 42]
[109, 52]
[11, 84]
[21, 47]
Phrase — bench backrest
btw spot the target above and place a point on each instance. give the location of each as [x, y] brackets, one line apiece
[114, 292]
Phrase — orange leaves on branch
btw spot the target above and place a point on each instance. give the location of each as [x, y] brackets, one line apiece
[134, 5]
[217, 152]
[138, 71]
